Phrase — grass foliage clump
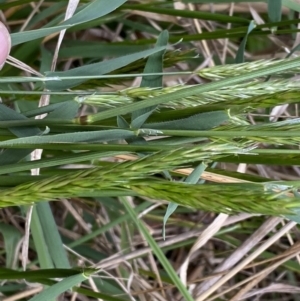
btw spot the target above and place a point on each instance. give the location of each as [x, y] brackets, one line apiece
[167, 133]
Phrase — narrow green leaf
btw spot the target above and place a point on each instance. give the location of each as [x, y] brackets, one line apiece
[122, 123]
[170, 210]
[92, 146]
[194, 14]
[90, 293]
[11, 238]
[94, 10]
[158, 252]
[274, 10]
[52, 236]
[59, 160]
[293, 5]
[55, 290]
[193, 178]
[240, 53]
[203, 121]
[43, 110]
[295, 217]
[41, 246]
[36, 274]
[231, 134]
[94, 69]
[154, 65]
[92, 49]
[66, 110]
[96, 136]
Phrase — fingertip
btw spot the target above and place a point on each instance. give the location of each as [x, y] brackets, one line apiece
[5, 44]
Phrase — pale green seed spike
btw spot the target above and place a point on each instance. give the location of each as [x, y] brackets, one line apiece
[128, 177]
[117, 177]
[223, 71]
[226, 198]
[287, 125]
[255, 93]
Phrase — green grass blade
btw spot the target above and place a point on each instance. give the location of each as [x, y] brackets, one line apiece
[274, 10]
[95, 9]
[52, 236]
[102, 296]
[55, 290]
[154, 64]
[170, 210]
[203, 121]
[193, 178]
[158, 252]
[44, 257]
[11, 237]
[291, 5]
[36, 274]
[50, 162]
[93, 146]
[99, 136]
[187, 13]
[67, 110]
[94, 69]
[240, 53]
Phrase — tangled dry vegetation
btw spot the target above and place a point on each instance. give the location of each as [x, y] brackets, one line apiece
[147, 109]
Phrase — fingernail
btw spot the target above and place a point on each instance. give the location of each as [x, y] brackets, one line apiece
[5, 44]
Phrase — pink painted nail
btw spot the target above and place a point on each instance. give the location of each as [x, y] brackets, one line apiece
[5, 44]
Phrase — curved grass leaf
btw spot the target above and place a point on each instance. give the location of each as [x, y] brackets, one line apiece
[240, 53]
[94, 69]
[41, 247]
[154, 65]
[52, 237]
[159, 9]
[45, 109]
[36, 274]
[204, 121]
[66, 110]
[193, 178]
[56, 161]
[274, 10]
[11, 238]
[96, 136]
[55, 290]
[293, 5]
[94, 10]
[158, 252]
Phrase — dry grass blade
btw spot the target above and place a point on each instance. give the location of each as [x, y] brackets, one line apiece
[241, 265]
[239, 253]
[290, 253]
[205, 236]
